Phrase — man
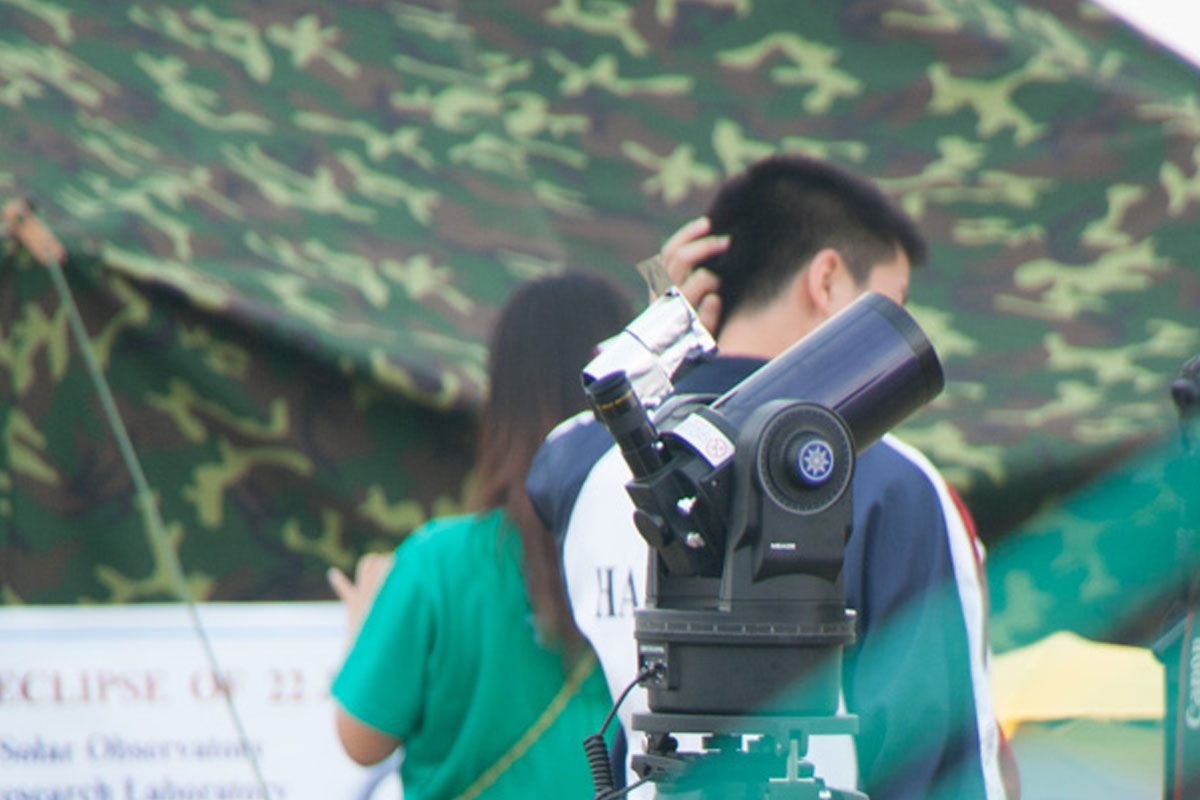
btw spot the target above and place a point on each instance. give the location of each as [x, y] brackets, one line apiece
[785, 245]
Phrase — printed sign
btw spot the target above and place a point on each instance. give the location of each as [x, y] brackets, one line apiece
[122, 703]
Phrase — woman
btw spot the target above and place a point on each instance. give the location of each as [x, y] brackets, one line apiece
[468, 656]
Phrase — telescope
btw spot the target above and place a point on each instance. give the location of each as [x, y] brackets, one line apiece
[745, 502]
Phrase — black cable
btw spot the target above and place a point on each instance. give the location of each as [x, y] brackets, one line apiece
[597, 750]
[654, 669]
[599, 764]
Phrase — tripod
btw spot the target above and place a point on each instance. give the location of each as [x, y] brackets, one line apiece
[770, 767]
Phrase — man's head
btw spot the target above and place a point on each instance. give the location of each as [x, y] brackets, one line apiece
[806, 238]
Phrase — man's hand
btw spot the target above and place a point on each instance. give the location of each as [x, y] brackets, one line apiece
[682, 254]
[358, 594]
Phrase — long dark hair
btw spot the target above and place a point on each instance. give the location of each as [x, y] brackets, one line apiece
[545, 334]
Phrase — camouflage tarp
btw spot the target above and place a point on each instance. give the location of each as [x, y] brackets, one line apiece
[289, 226]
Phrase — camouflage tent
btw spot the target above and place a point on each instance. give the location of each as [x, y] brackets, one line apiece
[288, 226]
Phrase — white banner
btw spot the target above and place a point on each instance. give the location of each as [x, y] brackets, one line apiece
[120, 703]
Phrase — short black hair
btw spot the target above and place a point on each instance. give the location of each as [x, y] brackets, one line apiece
[784, 209]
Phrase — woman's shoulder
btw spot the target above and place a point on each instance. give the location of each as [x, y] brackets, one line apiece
[452, 534]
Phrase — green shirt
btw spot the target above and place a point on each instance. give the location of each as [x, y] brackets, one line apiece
[448, 659]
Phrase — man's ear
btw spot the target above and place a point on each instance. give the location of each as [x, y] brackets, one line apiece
[821, 281]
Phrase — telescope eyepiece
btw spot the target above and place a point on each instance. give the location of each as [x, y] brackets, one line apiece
[620, 410]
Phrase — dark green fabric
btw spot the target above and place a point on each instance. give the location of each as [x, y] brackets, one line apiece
[1109, 561]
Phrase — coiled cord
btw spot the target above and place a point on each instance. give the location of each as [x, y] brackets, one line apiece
[598, 761]
[597, 749]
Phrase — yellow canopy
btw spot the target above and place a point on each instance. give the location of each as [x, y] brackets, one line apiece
[1065, 676]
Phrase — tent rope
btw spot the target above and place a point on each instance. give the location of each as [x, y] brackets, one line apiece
[41, 243]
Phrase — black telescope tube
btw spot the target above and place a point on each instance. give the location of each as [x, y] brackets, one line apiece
[871, 363]
[618, 407]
